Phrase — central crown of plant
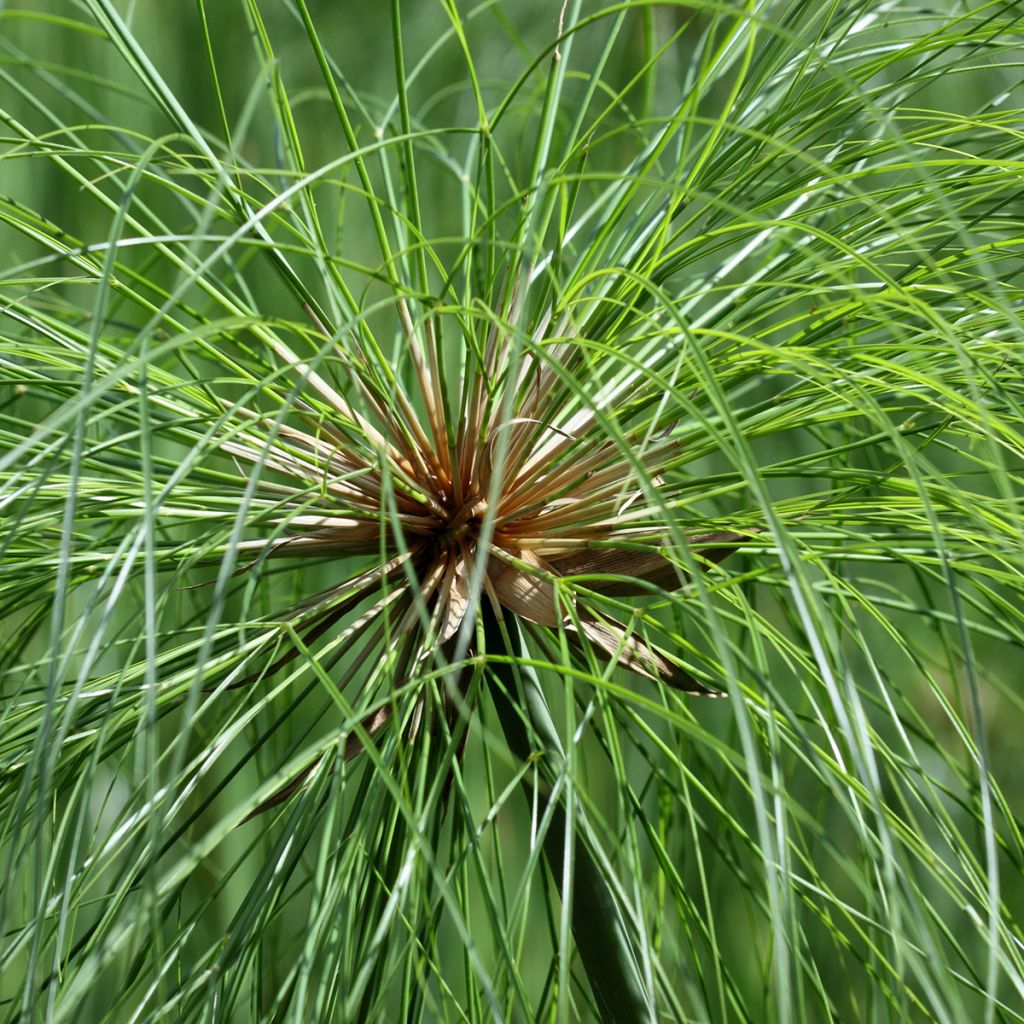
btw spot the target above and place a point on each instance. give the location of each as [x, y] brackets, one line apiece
[528, 490]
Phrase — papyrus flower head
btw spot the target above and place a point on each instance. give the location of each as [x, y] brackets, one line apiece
[533, 485]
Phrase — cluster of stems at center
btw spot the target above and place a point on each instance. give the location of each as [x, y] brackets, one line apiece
[464, 524]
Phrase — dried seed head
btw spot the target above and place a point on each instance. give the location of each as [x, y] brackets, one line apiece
[532, 493]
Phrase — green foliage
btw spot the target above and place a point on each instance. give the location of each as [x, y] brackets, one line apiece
[771, 251]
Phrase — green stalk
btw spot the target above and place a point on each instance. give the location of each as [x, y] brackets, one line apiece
[600, 931]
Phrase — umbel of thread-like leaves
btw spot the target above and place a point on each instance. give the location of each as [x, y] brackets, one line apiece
[524, 489]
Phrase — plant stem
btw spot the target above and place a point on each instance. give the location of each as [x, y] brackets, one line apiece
[599, 929]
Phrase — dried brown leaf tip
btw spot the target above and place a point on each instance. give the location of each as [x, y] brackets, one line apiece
[530, 478]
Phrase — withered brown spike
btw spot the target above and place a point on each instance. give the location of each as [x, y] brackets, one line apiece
[326, 542]
[282, 794]
[630, 651]
[524, 594]
[354, 746]
[713, 547]
[632, 566]
[373, 725]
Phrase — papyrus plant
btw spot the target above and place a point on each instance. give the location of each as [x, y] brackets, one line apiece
[516, 492]
[382, 388]
[510, 493]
